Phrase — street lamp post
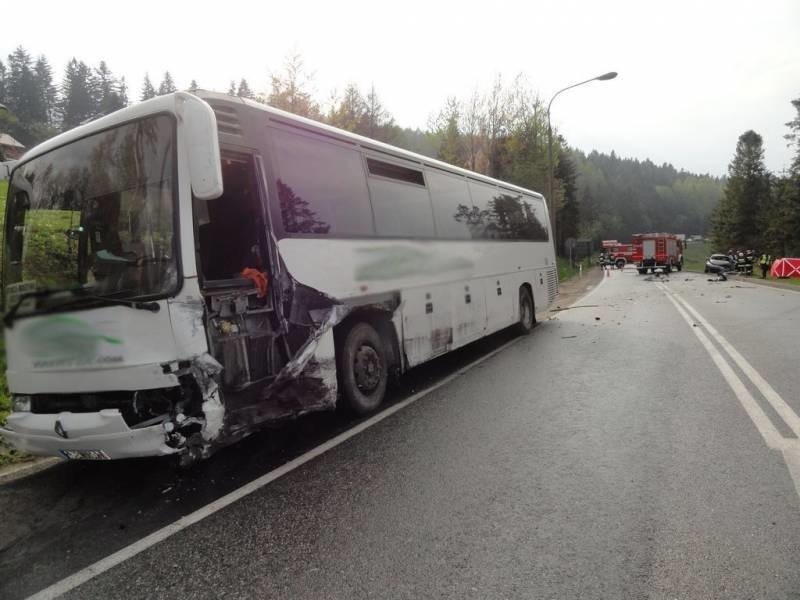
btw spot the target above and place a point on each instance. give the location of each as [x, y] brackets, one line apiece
[551, 175]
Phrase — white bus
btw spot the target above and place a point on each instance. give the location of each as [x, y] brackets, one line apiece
[186, 270]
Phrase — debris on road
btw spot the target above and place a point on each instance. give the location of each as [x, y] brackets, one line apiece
[559, 309]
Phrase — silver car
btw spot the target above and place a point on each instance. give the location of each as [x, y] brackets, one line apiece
[715, 262]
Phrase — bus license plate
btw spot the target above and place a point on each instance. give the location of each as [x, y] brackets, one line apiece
[85, 455]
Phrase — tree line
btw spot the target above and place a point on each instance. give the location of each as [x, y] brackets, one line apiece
[760, 210]
[500, 132]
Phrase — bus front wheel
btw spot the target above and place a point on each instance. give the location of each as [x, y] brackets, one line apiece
[363, 368]
[527, 316]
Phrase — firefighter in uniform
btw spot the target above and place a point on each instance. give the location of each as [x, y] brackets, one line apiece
[765, 263]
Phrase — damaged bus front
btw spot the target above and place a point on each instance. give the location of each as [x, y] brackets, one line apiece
[115, 347]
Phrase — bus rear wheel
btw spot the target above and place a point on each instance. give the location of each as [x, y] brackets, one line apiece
[527, 316]
[363, 369]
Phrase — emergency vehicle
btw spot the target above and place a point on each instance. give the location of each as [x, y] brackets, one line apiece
[657, 250]
[618, 254]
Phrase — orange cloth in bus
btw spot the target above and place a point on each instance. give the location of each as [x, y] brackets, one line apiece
[259, 279]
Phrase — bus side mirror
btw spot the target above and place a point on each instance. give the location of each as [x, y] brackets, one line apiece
[202, 143]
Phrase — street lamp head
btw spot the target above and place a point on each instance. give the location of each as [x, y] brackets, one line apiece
[609, 75]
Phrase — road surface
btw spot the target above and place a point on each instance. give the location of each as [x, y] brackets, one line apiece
[642, 443]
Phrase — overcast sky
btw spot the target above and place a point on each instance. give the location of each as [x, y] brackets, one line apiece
[692, 75]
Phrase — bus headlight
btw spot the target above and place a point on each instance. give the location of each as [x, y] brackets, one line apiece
[22, 404]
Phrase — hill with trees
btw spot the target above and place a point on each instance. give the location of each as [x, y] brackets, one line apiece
[501, 132]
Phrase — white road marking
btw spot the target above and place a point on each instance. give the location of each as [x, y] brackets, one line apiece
[773, 397]
[72, 581]
[790, 447]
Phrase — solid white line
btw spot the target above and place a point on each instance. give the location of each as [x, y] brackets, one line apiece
[774, 398]
[790, 448]
[72, 581]
[765, 427]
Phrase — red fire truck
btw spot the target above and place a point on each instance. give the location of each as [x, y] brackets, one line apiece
[657, 250]
[617, 253]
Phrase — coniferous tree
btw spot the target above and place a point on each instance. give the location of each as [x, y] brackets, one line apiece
[348, 113]
[122, 91]
[232, 88]
[446, 128]
[794, 138]
[377, 123]
[3, 75]
[569, 214]
[243, 90]
[738, 219]
[148, 91]
[48, 101]
[109, 93]
[78, 95]
[193, 87]
[167, 85]
[785, 210]
[289, 90]
[23, 97]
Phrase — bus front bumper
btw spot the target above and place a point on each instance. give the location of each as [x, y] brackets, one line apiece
[100, 435]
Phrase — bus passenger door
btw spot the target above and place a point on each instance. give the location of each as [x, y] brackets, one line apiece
[427, 323]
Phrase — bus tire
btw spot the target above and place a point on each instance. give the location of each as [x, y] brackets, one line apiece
[363, 368]
[527, 315]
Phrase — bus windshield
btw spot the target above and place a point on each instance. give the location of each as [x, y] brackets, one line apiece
[95, 215]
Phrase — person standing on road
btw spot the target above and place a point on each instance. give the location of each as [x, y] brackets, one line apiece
[765, 263]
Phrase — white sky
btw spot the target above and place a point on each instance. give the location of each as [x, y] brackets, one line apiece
[693, 75]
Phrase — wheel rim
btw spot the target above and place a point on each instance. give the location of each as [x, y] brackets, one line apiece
[367, 369]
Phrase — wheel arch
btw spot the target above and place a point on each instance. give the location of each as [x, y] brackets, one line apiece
[380, 318]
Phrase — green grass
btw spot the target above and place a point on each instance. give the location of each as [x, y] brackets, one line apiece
[695, 255]
[567, 271]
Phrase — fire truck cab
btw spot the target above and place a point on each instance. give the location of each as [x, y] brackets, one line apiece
[618, 254]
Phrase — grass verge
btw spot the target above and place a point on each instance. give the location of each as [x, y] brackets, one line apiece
[567, 271]
[695, 255]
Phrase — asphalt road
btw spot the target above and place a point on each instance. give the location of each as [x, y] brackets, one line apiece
[641, 444]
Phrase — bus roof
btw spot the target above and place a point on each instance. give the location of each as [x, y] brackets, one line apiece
[361, 140]
[168, 102]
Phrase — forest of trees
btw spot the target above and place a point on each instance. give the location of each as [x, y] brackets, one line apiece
[501, 132]
[761, 210]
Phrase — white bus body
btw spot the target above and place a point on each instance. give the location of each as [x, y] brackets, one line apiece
[188, 269]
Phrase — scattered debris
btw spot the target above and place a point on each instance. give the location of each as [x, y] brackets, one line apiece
[597, 318]
[559, 309]
[568, 337]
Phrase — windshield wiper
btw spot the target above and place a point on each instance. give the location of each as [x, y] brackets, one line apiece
[8, 318]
